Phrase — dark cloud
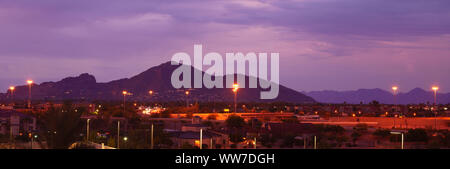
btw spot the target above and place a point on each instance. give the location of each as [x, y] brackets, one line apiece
[130, 36]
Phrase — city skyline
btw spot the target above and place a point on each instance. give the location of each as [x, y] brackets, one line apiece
[344, 45]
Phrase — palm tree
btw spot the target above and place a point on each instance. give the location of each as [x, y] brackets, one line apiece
[61, 127]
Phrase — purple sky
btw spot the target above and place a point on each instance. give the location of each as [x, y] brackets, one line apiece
[323, 44]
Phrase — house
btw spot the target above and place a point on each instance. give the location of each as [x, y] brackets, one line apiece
[282, 129]
[190, 135]
[13, 123]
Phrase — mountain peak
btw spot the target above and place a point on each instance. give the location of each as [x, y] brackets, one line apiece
[83, 78]
[417, 90]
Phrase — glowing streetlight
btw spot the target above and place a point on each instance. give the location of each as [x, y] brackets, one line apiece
[187, 94]
[435, 89]
[11, 89]
[124, 95]
[235, 89]
[150, 92]
[395, 88]
[30, 83]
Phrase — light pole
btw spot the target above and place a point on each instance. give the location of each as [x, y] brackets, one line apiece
[118, 134]
[201, 138]
[395, 88]
[11, 89]
[187, 102]
[150, 92]
[403, 136]
[87, 130]
[124, 96]
[30, 83]
[151, 138]
[315, 142]
[235, 89]
[435, 89]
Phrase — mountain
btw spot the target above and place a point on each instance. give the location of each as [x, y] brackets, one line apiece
[415, 96]
[157, 79]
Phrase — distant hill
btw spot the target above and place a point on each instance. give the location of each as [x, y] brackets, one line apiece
[85, 87]
[415, 96]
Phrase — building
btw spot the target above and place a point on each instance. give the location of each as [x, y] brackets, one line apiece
[190, 135]
[13, 123]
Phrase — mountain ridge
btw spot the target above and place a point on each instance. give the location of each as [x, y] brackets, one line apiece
[157, 79]
[414, 96]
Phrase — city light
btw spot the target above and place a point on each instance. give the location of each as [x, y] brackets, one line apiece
[12, 88]
[124, 92]
[235, 89]
[395, 88]
[435, 88]
[30, 83]
[187, 101]
[150, 92]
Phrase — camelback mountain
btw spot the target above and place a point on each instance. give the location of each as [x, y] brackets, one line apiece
[157, 79]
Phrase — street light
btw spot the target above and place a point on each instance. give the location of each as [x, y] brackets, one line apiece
[403, 137]
[30, 83]
[150, 92]
[395, 88]
[87, 129]
[124, 95]
[187, 94]
[11, 89]
[201, 138]
[118, 134]
[235, 89]
[151, 138]
[435, 89]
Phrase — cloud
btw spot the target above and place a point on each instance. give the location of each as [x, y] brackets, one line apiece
[349, 38]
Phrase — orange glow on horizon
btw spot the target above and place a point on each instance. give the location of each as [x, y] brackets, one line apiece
[30, 82]
[12, 88]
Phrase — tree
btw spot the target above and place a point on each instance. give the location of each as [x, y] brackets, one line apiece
[419, 135]
[355, 136]
[382, 133]
[235, 125]
[61, 126]
[361, 128]
[235, 122]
